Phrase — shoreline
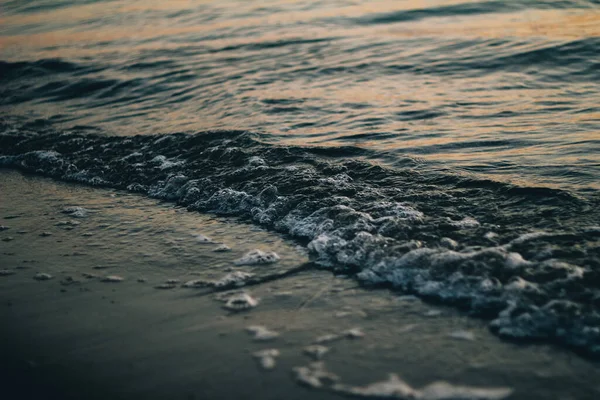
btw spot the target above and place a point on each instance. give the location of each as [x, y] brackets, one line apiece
[129, 340]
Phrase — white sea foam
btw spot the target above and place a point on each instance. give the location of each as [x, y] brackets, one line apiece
[113, 278]
[530, 236]
[400, 210]
[165, 286]
[233, 279]
[357, 222]
[200, 238]
[256, 161]
[316, 351]
[196, 283]
[337, 180]
[446, 391]
[448, 243]
[76, 211]
[465, 223]
[163, 162]
[592, 229]
[67, 223]
[353, 333]
[170, 188]
[392, 388]
[266, 358]
[131, 156]
[240, 302]
[515, 260]
[490, 235]
[315, 375]
[257, 257]
[261, 333]
[327, 338]
[518, 284]
[42, 276]
[396, 388]
[222, 248]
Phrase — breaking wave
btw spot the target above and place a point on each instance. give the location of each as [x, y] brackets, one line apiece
[526, 258]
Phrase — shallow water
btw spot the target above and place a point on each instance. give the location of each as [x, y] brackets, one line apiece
[76, 336]
[449, 149]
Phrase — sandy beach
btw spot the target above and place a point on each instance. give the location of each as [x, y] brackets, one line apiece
[75, 336]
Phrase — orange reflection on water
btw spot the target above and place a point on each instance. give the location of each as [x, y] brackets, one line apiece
[122, 23]
[99, 29]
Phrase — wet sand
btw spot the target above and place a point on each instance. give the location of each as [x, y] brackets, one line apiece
[75, 336]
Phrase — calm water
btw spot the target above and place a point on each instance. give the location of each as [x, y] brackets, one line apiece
[508, 89]
[447, 148]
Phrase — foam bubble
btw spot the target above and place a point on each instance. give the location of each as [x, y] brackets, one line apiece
[529, 236]
[172, 188]
[222, 248]
[67, 223]
[257, 257]
[261, 333]
[196, 283]
[446, 391]
[465, 223]
[256, 161]
[240, 302]
[515, 260]
[316, 351]
[448, 243]
[266, 358]
[200, 238]
[233, 279]
[42, 276]
[327, 338]
[112, 279]
[490, 235]
[518, 284]
[76, 211]
[404, 211]
[162, 162]
[392, 388]
[337, 180]
[315, 375]
[165, 286]
[353, 333]
[396, 388]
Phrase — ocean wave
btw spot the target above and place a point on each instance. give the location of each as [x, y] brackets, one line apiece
[467, 9]
[36, 6]
[526, 258]
[29, 69]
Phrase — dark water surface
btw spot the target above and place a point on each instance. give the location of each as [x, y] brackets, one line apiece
[507, 89]
[447, 148]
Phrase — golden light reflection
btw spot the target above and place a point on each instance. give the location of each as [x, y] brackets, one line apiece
[553, 24]
[137, 26]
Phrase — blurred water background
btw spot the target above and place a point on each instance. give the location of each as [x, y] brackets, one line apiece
[503, 89]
